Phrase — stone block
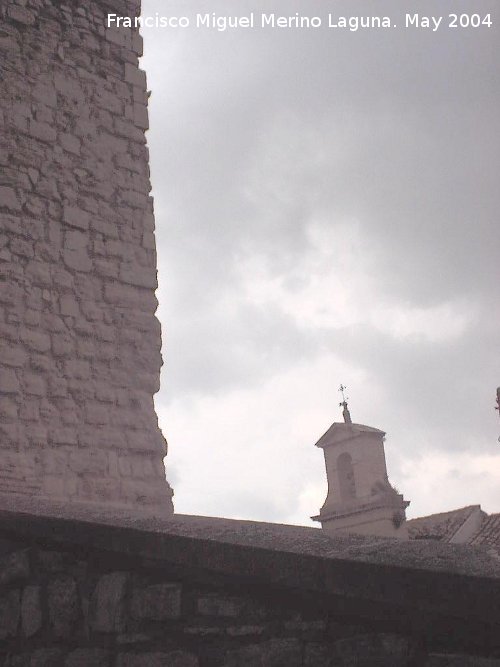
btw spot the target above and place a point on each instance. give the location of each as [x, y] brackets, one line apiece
[135, 76]
[46, 657]
[31, 610]
[97, 414]
[318, 655]
[129, 296]
[216, 605]
[141, 116]
[148, 241]
[91, 311]
[69, 305]
[456, 660]
[37, 434]
[63, 279]
[272, 653]
[366, 649]
[50, 561]
[77, 369]
[54, 461]
[63, 345]
[9, 199]
[158, 602]
[9, 383]
[104, 490]
[119, 36]
[8, 409]
[106, 268]
[29, 410]
[203, 631]
[23, 248]
[149, 382]
[11, 294]
[63, 435]
[70, 88]
[127, 130]
[245, 630]
[75, 240]
[158, 659]
[86, 348]
[88, 657]
[14, 567]
[12, 355]
[107, 605]
[42, 131]
[10, 610]
[138, 275]
[39, 273]
[88, 461]
[76, 217]
[82, 391]
[70, 143]
[43, 92]
[47, 252]
[20, 15]
[34, 297]
[10, 434]
[63, 605]
[126, 161]
[36, 340]
[43, 363]
[108, 100]
[134, 199]
[34, 384]
[108, 229]
[32, 318]
[78, 260]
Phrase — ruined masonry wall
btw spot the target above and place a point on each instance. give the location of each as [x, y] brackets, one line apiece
[73, 608]
[80, 343]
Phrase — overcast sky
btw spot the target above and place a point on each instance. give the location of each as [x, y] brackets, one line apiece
[327, 205]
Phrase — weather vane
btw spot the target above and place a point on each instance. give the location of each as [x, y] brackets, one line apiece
[343, 404]
[498, 405]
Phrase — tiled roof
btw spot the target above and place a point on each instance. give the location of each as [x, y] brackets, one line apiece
[489, 533]
[441, 526]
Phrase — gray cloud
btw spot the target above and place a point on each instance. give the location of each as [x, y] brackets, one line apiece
[257, 137]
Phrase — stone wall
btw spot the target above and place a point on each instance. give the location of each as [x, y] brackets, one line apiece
[80, 343]
[60, 608]
[67, 602]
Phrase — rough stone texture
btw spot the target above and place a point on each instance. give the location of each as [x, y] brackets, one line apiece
[14, 567]
[158, 602]
[202, 592]
[273, 653]
[31, 610]
[459, 661]
[107, 604]
[79, 341]
[157, 659]
[10, 609]
[63, 605]
[88, 657]
[51, 657]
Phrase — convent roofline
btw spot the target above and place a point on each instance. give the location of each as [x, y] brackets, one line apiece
[340, 432]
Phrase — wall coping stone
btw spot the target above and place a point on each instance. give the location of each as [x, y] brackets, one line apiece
[424, 578]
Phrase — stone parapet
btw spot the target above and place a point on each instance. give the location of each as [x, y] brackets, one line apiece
[197, 591]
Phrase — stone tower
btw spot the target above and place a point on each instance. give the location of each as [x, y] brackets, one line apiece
[360, 498]
[80, 344]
